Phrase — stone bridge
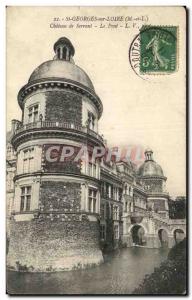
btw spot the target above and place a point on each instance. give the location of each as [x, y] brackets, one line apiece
[152, 231]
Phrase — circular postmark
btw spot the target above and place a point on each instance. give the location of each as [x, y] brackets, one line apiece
[154, 51]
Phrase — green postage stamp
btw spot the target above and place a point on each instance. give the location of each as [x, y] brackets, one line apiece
[158, 49]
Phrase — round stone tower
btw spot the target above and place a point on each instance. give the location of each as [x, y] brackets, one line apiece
[57, 198]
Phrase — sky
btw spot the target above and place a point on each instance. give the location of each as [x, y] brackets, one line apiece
[150, 113]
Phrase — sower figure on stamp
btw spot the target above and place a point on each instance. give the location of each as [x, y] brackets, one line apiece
[155, 45]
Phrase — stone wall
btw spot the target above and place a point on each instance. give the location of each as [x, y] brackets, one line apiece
[60, 196]
[154, 185]
[45, 245]
[159, 205]
[63, 106]
[69, 165]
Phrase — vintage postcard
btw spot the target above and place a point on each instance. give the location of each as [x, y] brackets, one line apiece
[96, 151]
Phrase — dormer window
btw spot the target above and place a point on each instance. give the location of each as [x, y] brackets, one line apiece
[33, 112]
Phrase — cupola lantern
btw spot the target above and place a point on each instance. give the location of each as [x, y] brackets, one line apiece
[148, 154]
[64, 49]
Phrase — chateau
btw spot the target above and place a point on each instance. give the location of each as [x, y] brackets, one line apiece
[62, 215]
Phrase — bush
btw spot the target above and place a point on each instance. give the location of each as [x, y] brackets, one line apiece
[170, 277]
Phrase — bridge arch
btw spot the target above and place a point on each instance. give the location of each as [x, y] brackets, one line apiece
[178, 228]
[163, 228]
[178, 234]
[163, 236]
[138, 234]
[139, 224]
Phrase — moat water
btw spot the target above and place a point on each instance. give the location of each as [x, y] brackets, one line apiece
[121, 273]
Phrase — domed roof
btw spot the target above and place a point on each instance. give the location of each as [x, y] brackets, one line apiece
[61, 69]
[150, 168]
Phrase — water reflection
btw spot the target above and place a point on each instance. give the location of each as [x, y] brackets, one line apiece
[120, 274]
